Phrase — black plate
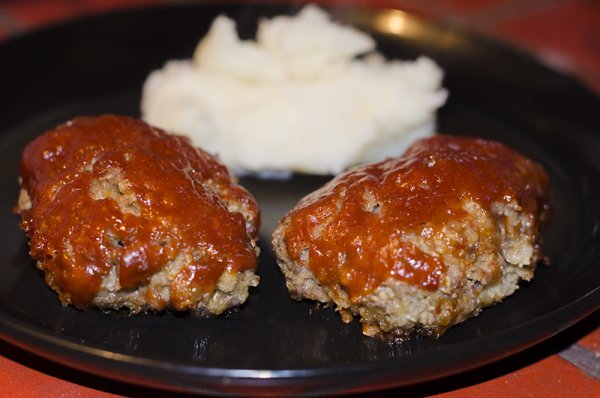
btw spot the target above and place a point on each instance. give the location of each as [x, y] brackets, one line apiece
[272, 344]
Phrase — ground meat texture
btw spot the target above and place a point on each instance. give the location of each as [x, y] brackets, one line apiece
[421, 242]
[121, 214]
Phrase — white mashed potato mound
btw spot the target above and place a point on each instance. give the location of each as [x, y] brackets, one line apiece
[295, 100]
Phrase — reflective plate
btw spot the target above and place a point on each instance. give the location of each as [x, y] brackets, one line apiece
[272, 344]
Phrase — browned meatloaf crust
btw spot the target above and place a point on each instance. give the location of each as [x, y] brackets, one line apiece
[420, 242]
[121, 214]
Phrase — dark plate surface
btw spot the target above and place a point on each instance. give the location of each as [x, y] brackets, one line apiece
[98, 65]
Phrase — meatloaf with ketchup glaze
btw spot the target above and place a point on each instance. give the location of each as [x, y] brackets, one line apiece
[421, 242]
[121, 214]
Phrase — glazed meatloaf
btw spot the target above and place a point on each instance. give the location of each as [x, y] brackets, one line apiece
[421, 242]
[121, 214]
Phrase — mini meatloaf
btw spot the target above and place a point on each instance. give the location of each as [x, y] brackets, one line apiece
[421, 242]
[121, 214]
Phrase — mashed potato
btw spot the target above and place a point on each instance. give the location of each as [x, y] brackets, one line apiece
[298, 99]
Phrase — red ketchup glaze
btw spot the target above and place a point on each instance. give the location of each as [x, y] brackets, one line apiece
[353, 226]
[179, 193]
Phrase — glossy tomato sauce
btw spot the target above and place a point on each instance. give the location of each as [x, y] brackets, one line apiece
[350, 232]
[178, 196]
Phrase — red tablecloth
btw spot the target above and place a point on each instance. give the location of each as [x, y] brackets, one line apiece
[564, 34]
